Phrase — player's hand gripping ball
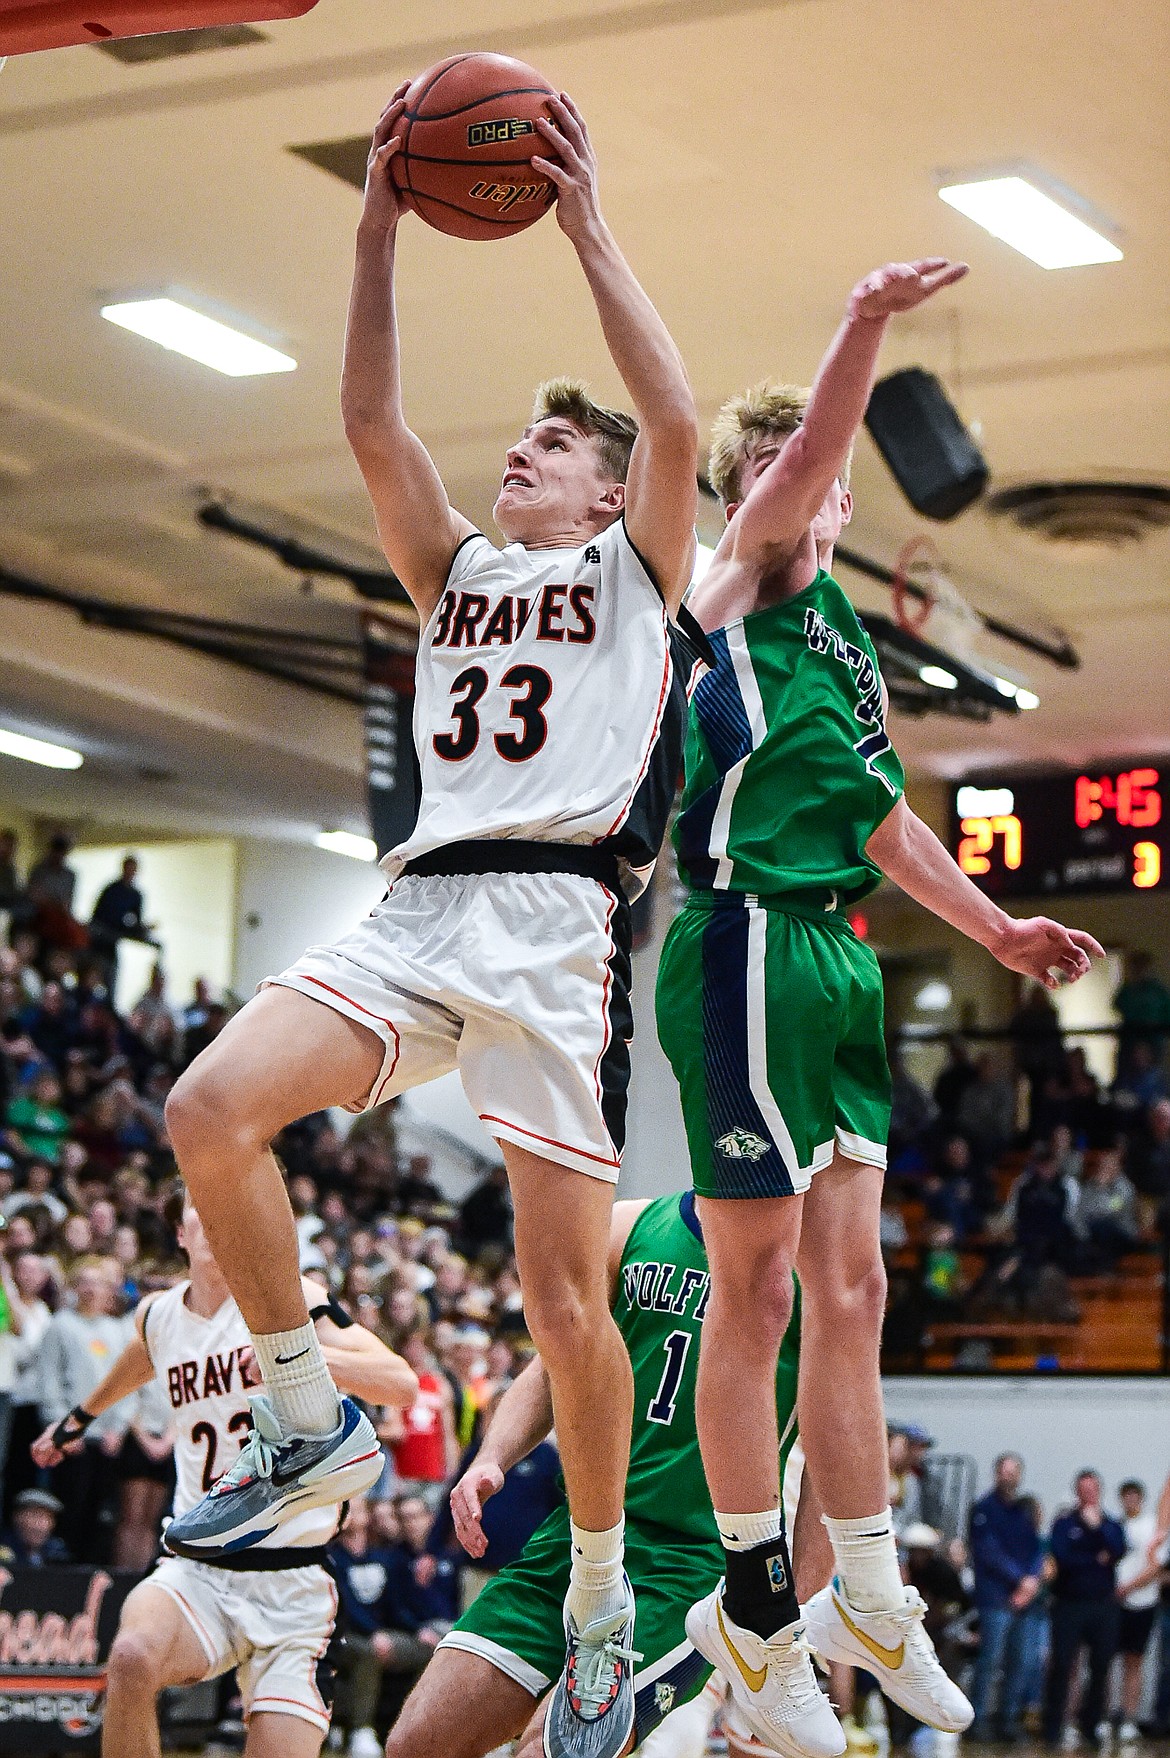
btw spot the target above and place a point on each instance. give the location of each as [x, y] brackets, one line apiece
[468, 134]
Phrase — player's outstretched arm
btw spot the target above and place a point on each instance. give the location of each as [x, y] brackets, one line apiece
[781, 505]
[363, 1366]
[132, 1370]
[419, 530]
[909, 853]
[661, 490]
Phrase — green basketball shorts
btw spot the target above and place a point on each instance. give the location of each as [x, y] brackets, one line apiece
[517, 1622]
[772, 1018]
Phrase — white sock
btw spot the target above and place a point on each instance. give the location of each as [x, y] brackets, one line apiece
[297, 1380]
[867, 1561]
[596, 1584]
[745, 1531]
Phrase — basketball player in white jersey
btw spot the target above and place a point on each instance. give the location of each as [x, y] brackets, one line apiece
[548, 725]
[271, 1617]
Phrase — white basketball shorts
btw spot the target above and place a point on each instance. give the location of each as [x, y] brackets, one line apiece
[521, 981]
[274, 1628]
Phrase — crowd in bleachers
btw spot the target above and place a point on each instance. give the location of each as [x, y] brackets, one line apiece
[1019, 1173]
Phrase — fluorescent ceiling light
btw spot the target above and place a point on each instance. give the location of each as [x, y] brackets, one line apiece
[1033, 223]
[14, 744]
[1027, 699]
[341, 842]
[201, 338]
[934, 674]
[985, 802]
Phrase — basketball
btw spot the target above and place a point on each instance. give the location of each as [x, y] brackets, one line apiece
[468, 133]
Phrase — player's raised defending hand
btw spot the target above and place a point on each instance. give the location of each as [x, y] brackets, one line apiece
[383, 206]
[900, 286]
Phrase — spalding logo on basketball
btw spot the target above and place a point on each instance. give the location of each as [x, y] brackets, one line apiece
[468, 136]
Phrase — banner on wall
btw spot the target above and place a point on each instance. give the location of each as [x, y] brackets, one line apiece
[56, 1629]
[391, 765]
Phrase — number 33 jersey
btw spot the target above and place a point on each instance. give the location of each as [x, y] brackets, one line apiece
[550, 706]
[205, 1370]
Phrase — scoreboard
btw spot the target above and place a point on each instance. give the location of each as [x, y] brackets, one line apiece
[1087, 830]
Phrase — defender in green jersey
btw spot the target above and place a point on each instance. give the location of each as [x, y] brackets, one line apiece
[501, 1657]
[770, 1010]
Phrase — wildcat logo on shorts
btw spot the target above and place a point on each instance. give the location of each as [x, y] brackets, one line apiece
[501, 128]
[508, 195]
[664, 1698]
[741, 1144]
[777, 1574]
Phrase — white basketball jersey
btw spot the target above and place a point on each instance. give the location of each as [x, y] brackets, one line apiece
[548, 706]
[197, 1366]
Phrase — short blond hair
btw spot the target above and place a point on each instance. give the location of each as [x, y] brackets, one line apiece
[766, 409]
[613, 430]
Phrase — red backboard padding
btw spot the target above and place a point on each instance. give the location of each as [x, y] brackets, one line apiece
[56, 24]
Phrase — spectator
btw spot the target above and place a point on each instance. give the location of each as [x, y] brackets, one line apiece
[986, 1112]
[152, 1018]
[359, 1560]
[913, 1110]
[80, 1344]
[956, 1076]
[1141, 1083]
[26, 1278]
[1137, 1591]
[1045, 1210]
[11, 890]
[1037, 1042]
[1086, 1547]
[1106, 1216]
[117, 915]
[485, 1215]
[37, 1126]
[422, 1592]
[1006, 1557]
[1149, 1160]
[52, 883]
[909, 1446]
[425, 1450]
[30, 1542]
[1143, 1001]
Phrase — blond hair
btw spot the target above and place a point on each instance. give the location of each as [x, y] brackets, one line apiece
[613, 430]
[767, 409]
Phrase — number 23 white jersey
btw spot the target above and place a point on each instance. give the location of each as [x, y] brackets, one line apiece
[197, 1363]
[549, 706]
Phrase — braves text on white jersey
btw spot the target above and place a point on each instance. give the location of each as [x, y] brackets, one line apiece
[202, 1367]
[548, 706]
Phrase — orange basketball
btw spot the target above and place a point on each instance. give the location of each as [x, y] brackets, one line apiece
[468, 133]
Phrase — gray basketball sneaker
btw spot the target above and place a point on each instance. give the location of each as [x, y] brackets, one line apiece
[591, 1709]
[276, 1476]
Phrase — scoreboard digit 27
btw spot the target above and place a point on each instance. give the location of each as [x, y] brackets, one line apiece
[1085, 830]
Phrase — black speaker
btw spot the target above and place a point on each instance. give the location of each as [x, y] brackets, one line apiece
[917, 430]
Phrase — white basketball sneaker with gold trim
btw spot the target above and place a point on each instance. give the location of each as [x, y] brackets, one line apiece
[894, 1647]
[772, 1683]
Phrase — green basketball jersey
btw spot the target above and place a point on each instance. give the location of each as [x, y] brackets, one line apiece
[789, 769]
[661, 1300]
